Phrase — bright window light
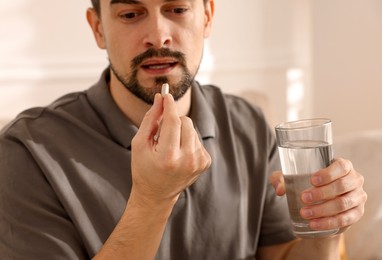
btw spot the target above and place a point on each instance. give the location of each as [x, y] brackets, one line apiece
[295, 93]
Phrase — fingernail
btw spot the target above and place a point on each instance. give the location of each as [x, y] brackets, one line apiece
[315, 225]
[307, 197]
[306, 213]
[316, 180]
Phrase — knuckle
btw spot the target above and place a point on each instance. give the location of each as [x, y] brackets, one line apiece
[336, 222]
[365, 196]
[361, 210]
[350, 217]
[186, 120]
[176, 121]
[192, 166]
[344, 185]
[343, 221]
[344, 203]
[205, 160]
[169, 160]
[318, 194]
[169, 166]
[361, 179]
[330, 222]
[195, 163]
[345, 165]
[206, 165]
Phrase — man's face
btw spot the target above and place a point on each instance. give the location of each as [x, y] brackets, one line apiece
[150, 42]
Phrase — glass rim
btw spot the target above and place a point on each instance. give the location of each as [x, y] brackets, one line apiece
[303, 124]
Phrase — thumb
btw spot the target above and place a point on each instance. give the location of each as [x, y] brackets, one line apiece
[150, 122]
[277, 181]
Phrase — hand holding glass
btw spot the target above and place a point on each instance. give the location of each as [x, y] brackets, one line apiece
[305, 147]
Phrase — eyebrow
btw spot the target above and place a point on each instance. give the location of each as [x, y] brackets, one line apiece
[124, 2]
[131, 1]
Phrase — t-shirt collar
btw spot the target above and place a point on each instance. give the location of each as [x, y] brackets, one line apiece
[201, 113]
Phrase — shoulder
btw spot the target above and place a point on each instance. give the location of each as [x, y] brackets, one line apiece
[239, 105]
[233, 101]
[238, 108]
[244, 121]
[68, 108]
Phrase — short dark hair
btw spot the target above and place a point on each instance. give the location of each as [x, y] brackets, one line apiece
[97, 6]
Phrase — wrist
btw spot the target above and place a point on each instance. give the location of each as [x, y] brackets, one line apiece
[325, 247]
[151, 205]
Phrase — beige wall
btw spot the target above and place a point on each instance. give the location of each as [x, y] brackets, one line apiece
[46, 50]
[347, 63]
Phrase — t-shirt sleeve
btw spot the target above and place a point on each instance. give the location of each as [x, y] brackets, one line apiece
[275, 225]
[33, 223]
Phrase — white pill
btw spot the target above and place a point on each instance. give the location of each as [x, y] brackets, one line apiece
[165, 89]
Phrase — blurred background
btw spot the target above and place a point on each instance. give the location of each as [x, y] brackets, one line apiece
[305, 58]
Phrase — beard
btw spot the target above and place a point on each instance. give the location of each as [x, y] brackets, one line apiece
[131, 82]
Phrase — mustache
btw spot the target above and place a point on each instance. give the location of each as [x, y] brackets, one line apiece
[163, 52]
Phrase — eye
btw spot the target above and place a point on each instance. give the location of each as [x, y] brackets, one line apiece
[178, 10]
[129, 16]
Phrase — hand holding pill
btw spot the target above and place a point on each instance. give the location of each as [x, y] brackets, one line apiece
[166, 158]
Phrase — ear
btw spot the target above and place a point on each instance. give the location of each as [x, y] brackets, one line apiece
[96, 25]
[209, 13]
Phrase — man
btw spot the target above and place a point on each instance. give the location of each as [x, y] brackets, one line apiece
[85, 177]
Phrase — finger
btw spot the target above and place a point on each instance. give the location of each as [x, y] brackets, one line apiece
[150, 122]
[336, 206]
[341, 220]
[171, 124]
[339, 168]
[205, 159]
[188, 138]
[199, 158]
[277, 181]
[340, 186]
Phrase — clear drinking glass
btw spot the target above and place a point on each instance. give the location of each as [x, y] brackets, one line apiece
[305, 146]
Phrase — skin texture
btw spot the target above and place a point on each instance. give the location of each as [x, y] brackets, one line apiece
[163, 168]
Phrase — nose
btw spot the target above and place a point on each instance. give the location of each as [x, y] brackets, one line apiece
[158, 32]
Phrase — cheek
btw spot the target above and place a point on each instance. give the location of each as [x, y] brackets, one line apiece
[192, 41]
[194, 57]
[197, 47]
[117, 49]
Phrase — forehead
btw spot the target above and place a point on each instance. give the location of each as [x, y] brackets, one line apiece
[108, 4]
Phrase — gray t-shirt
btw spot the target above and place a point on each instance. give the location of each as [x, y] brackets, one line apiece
[65, 179]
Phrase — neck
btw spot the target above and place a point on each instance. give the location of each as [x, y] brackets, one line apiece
[135, 109]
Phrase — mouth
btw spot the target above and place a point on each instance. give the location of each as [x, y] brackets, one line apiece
[159, 65]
